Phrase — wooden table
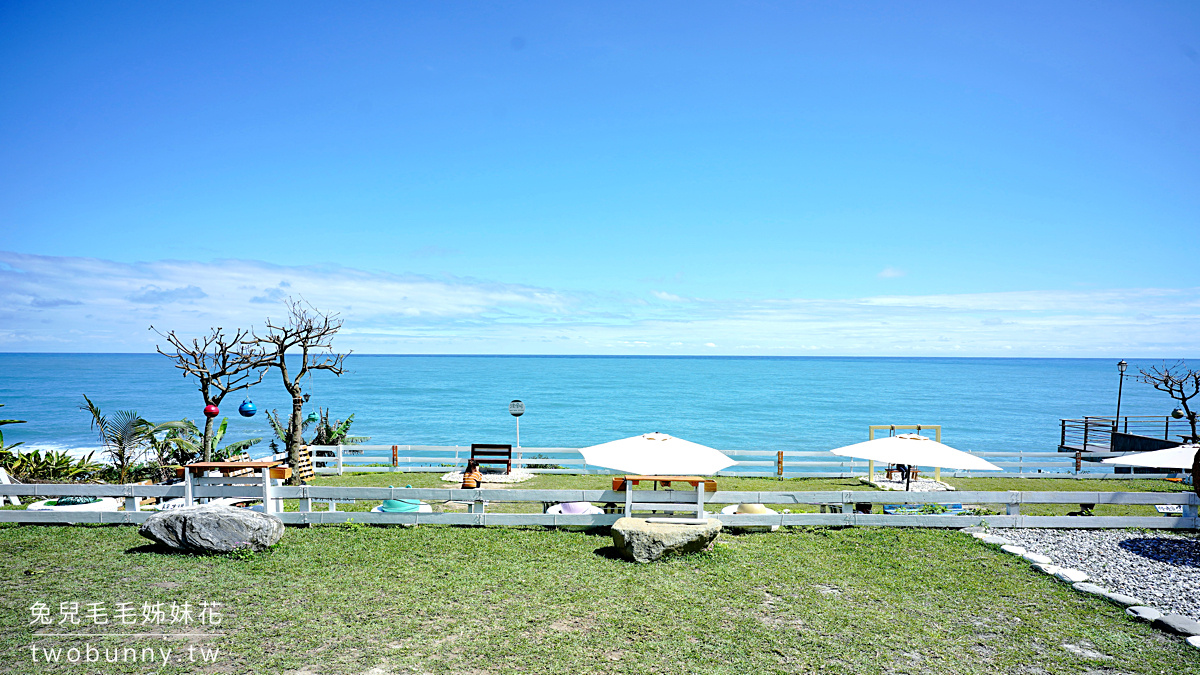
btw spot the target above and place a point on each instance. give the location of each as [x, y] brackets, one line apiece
[193, 473]
[628, 483]
[237, 468]
[620, 483]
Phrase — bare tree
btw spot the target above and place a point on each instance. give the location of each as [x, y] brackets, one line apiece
[311, 332]
[222, 364]
[1179, 382]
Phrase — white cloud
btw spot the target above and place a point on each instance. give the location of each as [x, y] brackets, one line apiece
[891, 273]
[669, 297]
[82, 304]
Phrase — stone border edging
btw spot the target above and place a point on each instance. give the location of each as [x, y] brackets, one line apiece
[1135, 608]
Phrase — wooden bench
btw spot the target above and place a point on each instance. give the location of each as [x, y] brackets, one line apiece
[893, 471]
[492, 453]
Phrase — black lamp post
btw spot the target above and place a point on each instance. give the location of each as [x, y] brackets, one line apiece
[1121, 366]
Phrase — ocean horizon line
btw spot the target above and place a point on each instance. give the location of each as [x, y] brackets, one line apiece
[750, 357]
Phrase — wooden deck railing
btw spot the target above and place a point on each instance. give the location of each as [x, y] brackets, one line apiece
[845, 500]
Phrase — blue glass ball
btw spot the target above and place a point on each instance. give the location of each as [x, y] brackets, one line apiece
[247, 408]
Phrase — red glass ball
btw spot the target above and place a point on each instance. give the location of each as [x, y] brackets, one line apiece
[211, 411]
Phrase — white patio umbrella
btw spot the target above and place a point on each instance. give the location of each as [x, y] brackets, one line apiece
[914, 449]
[1178, 457]
[657, 455]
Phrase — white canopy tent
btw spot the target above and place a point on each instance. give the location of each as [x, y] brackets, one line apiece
[657, 455]
[1179, 457]
[915, 450]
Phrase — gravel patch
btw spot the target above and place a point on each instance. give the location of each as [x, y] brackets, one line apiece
[517, 476]
[1162, 569]
[918, 485]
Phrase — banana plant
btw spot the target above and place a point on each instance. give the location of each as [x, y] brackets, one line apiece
[327, 433]
[53, 465]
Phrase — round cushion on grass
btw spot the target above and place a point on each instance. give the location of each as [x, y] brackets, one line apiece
[755, 509]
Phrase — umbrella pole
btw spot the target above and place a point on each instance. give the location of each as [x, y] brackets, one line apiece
[907, 478]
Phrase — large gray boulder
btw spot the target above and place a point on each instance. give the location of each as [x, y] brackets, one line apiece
[213, 529]
[642, 541]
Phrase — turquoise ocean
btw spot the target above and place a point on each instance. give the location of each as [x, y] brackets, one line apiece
[801, 403]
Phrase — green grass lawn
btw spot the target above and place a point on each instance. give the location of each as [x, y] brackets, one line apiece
[349, 599]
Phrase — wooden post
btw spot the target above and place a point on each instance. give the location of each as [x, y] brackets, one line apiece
[779, 464]
[395, 457]
[871, 470]
[937, 473]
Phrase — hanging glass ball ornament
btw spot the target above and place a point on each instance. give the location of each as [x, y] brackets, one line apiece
[247, 408]
[211, 411]
[1177, 413]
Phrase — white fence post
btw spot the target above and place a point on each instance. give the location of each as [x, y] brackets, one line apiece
[1013, 507]
[266, 487]
[339, 459]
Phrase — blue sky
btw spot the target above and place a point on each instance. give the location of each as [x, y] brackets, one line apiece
[737, 178]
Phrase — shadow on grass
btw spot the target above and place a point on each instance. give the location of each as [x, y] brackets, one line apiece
[610, 552]
[160, 549]
[1181, 552]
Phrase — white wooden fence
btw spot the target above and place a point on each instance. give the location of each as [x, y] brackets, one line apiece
[843, 501]
[785, 463]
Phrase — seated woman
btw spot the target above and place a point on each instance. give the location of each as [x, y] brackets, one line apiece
[472, 476]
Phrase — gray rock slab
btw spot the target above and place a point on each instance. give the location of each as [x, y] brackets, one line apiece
[1047, 568]
[1071, 576]
[1194, 641]
[1122, 599]
[1013, 549]
[993, 539]
[1178, 624]
[1085, 587]
[640, 541]
[1147, 614]
[1037, 558]
[212, 529]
